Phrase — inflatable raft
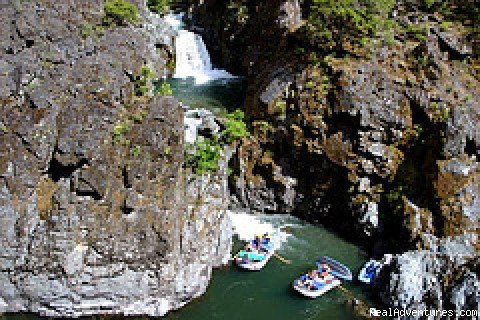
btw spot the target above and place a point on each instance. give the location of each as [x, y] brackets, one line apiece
[338, 270]
[327, 277]
[317, 288]
[369, 271]
[255, 260]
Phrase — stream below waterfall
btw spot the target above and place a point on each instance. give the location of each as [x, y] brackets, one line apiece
[267, 294]
[218, 96]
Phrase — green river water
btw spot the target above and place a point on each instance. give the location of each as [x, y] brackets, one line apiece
[235, 294]
[217, 96]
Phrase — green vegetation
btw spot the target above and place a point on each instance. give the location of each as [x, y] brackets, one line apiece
[139, 116]
[462, 12]
[90, 30]
[409, 182]
[444, 114]
[164, 89]
[281, 107]
[136, 150]
[141, 84]
[32, 84]
[235, 126]
[167, 150]
[262, 125]
[171, 63]
[121, 129]
[18, 5]
[428, 3]
[119, 13]
[238, 11]
[445, 25]
[46, 63]
[418, 32]
[339, 25]
[159, 6]
[440, 113]
[395, 197]
[204, 154]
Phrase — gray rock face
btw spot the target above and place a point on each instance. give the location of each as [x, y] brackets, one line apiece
[96, 213]
[433, 279]
[466, 294]
[200, 122]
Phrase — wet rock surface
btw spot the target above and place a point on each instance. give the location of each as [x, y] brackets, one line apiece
[97, 215]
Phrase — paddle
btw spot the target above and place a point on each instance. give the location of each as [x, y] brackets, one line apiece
[346, 291]
[279, 257]
[358, 305]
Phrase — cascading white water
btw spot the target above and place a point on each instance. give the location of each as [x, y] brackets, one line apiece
[246, 226]
[192, 57]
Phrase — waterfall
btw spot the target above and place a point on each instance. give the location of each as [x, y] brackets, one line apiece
[192, 57]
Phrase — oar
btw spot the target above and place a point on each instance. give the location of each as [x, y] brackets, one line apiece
[361, 307]
[279, 257]
[346, 291]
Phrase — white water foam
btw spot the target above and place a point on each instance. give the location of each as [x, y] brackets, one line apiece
[246, 226]
[175, 20]
[193, 59]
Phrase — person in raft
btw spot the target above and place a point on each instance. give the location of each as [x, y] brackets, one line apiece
[246, 258]
[265, 243]
[252, 245]
[259, 243]
[324, 271]
[315, 278]
[248, 247]
[308, 279]
[256, 242]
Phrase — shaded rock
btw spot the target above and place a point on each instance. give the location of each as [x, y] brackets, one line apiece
[466, 294]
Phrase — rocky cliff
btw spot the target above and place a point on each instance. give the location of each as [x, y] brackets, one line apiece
[373, 132]
[97, 215]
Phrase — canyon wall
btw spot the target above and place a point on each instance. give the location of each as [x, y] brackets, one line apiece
[377, 137]
[97, 215]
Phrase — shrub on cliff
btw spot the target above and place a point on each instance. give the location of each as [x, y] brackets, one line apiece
[340, 24]
[143, 80]
[164, 89]
[120, 13]
[235, 126]
[159, 6]
[204, 154]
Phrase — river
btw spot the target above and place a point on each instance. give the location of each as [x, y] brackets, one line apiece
[235, 294]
